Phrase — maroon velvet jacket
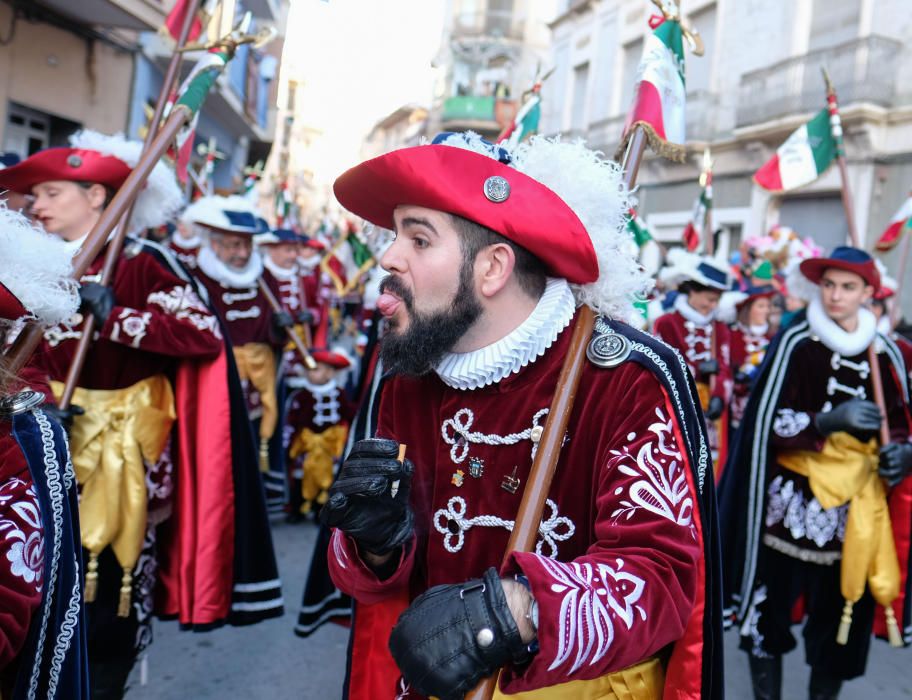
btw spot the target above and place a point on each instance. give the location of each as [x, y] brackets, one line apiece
[747, 351]
[619, 557]
[245, 311]
[290, 292]
[819, 379]
[21, 552]
[158, 320]
[187, 256]
[694, 342]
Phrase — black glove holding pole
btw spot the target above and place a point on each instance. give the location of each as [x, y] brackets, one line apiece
[64, 416]
[369, 500]
[857, 417]
[895, 462]
[98, 300]
[715, 408]
[454, 635]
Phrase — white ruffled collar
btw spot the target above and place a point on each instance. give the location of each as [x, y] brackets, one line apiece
[282, 273]
[302, 382]
[224, 275]
[186, 243]
[754, 331]
[522, 346]
[690, 313]
[310, 264]
[837, 338]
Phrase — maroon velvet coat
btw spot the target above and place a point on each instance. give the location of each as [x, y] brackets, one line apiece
[694, 342]
[187, 256]
[245, 311]
[747, 351]
[21, 553]
[158, 320]
[619, 561]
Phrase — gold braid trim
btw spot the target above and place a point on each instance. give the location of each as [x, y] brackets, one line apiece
[659, 146]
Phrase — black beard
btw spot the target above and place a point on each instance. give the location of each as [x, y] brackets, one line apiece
[428, 336]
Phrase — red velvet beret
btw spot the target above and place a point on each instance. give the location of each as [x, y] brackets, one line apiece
[75, 164]
[475, 187]
[333, 359]
[843, 258]
[10, 306]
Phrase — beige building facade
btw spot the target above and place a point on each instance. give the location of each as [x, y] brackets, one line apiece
[759, 80]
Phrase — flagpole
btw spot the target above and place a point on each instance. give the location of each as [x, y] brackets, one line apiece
[906, 233]
[836, 130]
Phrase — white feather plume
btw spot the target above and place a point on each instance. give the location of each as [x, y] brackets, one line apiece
[36, 268]
[797, 284]
[160, 199]
[592, 187]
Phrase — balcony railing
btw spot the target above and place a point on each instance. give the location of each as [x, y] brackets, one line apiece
[862, 70]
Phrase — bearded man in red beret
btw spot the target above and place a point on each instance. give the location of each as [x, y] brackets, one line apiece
[493, 252]
[813, 508]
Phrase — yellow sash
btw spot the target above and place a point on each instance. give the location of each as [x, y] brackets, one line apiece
[321, 450]
[642, 681]
[256, 364]
[121, 431]
[845, 471]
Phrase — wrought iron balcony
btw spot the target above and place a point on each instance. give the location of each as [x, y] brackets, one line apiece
[862, 70]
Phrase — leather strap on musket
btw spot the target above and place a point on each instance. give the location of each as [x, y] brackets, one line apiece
[120, 432]
[845, 471]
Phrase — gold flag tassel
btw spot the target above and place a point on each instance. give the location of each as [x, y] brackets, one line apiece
[845, 622]
[893, 632]
[126, 593]
[91, 582]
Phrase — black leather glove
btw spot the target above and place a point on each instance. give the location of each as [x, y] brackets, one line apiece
[64, 416]
[452, 636]
[856, 416]
[708, 367]
[305, 316]
[98, 300]
[895, 462]
[742, 377]
[280, 321]
[715, 408]
[369, 500]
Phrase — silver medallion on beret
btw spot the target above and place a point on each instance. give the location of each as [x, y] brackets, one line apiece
[608, 349]
[496, 189]
[74, 161]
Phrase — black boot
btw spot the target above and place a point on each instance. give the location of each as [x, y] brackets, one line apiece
[766, 677]
[823, 686]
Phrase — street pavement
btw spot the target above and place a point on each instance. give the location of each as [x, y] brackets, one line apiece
[268, 662]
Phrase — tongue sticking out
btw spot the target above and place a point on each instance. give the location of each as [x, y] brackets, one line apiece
[388, 303]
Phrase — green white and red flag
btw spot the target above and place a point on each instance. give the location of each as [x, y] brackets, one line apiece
[283, 206]
[525, 123]
[638, 229]
[192, 94]
[899, 226]
[804, 156]
[175, 19]
[693, 232]
[659, 96]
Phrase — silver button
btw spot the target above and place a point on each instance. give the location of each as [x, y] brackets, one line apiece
[485, 637]
[496, 189]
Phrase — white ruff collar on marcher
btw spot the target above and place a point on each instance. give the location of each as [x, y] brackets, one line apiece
[690, 313]
[837, 338]
[226, 276]
[525, 344]
[186, 243]
[282, 273]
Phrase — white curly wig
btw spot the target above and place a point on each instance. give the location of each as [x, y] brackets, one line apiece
[593, 188]
[37, 267]
[160, 199]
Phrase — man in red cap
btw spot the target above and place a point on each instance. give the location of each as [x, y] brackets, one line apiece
[813, 507]
[134, 413]
[493, 251]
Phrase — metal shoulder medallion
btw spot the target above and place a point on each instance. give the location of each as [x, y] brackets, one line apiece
[607, 348]
[20, 403]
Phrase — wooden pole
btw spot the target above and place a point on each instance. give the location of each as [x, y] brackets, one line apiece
[836, 126]
[292, 333]
[538, 484]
